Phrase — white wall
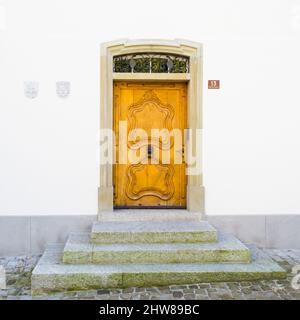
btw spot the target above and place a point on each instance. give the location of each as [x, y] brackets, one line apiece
[48, 146]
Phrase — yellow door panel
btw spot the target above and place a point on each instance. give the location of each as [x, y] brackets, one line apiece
[149, 169]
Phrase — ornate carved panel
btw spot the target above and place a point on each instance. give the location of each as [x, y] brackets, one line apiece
[147, 108]
[150, 180]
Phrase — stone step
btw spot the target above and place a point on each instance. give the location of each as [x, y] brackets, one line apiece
[149, 215]
[51, 275]
[153, 232]
[79, 250]
[2, 278]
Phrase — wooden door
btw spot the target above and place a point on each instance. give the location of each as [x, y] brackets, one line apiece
[144, 174]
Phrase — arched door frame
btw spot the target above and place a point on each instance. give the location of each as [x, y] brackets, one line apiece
[195, 189]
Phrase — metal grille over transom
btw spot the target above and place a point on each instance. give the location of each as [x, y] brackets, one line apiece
[151, 63]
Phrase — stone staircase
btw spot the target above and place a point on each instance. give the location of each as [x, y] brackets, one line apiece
[152, 252]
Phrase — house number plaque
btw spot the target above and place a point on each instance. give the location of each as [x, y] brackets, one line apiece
[213, 84]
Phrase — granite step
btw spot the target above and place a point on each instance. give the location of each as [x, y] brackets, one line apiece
[79, 250]
[51, 275]
[152, 232]
[150, 215]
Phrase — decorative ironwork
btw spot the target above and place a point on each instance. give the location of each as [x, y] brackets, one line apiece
[151, 63]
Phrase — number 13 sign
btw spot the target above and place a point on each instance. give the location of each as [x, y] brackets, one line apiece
[213, 84]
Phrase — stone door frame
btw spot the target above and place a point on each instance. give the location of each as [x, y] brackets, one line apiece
[195, 189]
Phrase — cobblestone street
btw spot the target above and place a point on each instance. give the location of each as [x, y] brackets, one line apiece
[19, 269]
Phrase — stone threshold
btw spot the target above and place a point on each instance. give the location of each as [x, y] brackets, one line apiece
[149, 215]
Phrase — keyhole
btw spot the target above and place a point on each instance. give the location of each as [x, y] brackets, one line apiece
[149, 151]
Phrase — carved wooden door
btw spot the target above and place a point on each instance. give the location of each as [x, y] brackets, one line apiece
[149, 169]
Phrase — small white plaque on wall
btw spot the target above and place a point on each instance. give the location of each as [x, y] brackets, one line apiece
[2, 278]
[31, 89]
[63, 89]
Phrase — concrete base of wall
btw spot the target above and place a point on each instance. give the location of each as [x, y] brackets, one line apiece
[29, 234]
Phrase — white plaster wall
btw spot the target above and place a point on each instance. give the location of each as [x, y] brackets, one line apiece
[48, 146]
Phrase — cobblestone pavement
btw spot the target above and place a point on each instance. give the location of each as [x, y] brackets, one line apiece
[19, 269]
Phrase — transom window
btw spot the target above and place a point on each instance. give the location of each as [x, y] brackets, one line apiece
[151, 63]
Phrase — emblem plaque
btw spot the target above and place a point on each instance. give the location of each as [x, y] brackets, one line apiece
[63, 89]
[31, 89]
